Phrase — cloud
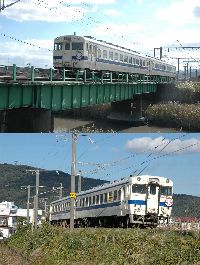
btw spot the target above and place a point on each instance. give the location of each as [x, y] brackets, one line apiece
[150, 145]
[180, 12]
[112, 12]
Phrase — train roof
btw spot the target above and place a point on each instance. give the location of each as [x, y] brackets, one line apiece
[143, 178]
[111, 45]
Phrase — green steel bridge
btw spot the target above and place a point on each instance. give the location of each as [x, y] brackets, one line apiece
[61, 91]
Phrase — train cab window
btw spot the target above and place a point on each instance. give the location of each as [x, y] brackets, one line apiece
[101, 198]
[119, 194]
[111, 55]
[125, 58]
[67, 46]
[152, 189]
[90, 201]
[116, 56]
[167, 191]
[58, 46]
[121, 58]
[99, 53]
[93, 200]
[136, 188]
[110, 196]
[130, 60]
[105, 54]
[77, 46]
[115, 195]
[97, 199]
[105, 197]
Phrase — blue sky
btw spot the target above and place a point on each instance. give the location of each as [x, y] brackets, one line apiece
[139, 24]
[175, 156]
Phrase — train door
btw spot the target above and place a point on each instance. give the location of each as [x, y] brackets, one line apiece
[92, 55]
[123, 201]
[152, 205]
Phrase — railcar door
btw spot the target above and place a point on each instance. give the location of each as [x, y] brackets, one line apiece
[92, 55]
[152, 206]
[123, 201]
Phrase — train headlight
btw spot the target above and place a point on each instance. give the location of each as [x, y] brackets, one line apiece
[138, 178]
[167, 180]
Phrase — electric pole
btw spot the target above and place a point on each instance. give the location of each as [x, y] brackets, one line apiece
[73, 174]
[61, 189]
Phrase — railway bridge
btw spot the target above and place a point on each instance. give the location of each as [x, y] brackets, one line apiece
[28, 95]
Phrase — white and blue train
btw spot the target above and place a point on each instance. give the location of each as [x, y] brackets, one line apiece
[76, 52]
[135, 201]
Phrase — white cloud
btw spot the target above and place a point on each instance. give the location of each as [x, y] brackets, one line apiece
[112, 12]
[93, 2]
[149, 145]
[180, 12]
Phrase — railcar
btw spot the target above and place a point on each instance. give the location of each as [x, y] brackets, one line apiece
[134, 201]
[79, 53]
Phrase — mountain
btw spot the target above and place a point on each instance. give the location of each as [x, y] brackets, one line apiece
[12, 177]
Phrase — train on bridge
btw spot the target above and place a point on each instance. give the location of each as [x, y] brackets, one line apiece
[134, 201]
[78, 53]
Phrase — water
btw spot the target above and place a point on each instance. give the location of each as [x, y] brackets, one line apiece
[104, 125]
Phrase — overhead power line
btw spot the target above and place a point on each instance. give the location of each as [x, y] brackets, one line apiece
[3, 6]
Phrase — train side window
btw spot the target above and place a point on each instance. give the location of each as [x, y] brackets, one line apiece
[93, 200]
[140, 62]
[133, 60]
[116, 56]
[111, 55]
[90, 48]
[83, 202]
[137, 62]
[80, 202]
[77, 46]
[86, 202]
[95, 49]
[101, 198]
[130, 60]
[115, 195]
[87, 46]
[125, 58]
[105, 54]
[143, 63]
[121, 58]
[90, 201]
[99, 53]
[67, 46]
[97, 199]
[105, 197]
[110, 196]
[119, 194]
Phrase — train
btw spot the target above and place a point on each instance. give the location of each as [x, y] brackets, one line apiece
[142, 201]
[74, 52]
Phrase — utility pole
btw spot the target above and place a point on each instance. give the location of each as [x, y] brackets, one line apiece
[79, 182]
[28, 202]
[61, 189]
[73, 174]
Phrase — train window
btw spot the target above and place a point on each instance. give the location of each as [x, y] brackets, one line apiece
[130, 60]
[140, 62]
[119, 194]
[125, 58]
[116, 57]
[121, 58]
[58, 46]
[105, 197]
[101, 198]
[99, 53]
[83, 202]
[90, 48]
[80, 202]
[77, 46]
[115, 195]
[137, 62]
[93, 200]
[90, 200]
[153, 189]
[86, 202]
[133, 60]
[97, 199]
[95, 50]
[110, 196]
[87, 47]
[105, 54]
[67, 46]
[143, 63]
[167, 191]
[136, 188]
[111, 55]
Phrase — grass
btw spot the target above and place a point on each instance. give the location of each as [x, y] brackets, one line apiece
[50, 245]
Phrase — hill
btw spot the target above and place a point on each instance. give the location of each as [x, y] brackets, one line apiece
[12, 177]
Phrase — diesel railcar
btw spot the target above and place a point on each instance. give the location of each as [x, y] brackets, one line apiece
[134, 201]
[78, 53]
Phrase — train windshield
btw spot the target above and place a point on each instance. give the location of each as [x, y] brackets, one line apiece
[136, 188]
[167, 191]
[77, 45]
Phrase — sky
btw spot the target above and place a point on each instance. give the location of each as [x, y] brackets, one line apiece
[111, 156]
[138, 24]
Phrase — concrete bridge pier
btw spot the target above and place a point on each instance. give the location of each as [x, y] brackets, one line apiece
[26, 120]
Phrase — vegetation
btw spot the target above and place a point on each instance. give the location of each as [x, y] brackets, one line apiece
[55, 245]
